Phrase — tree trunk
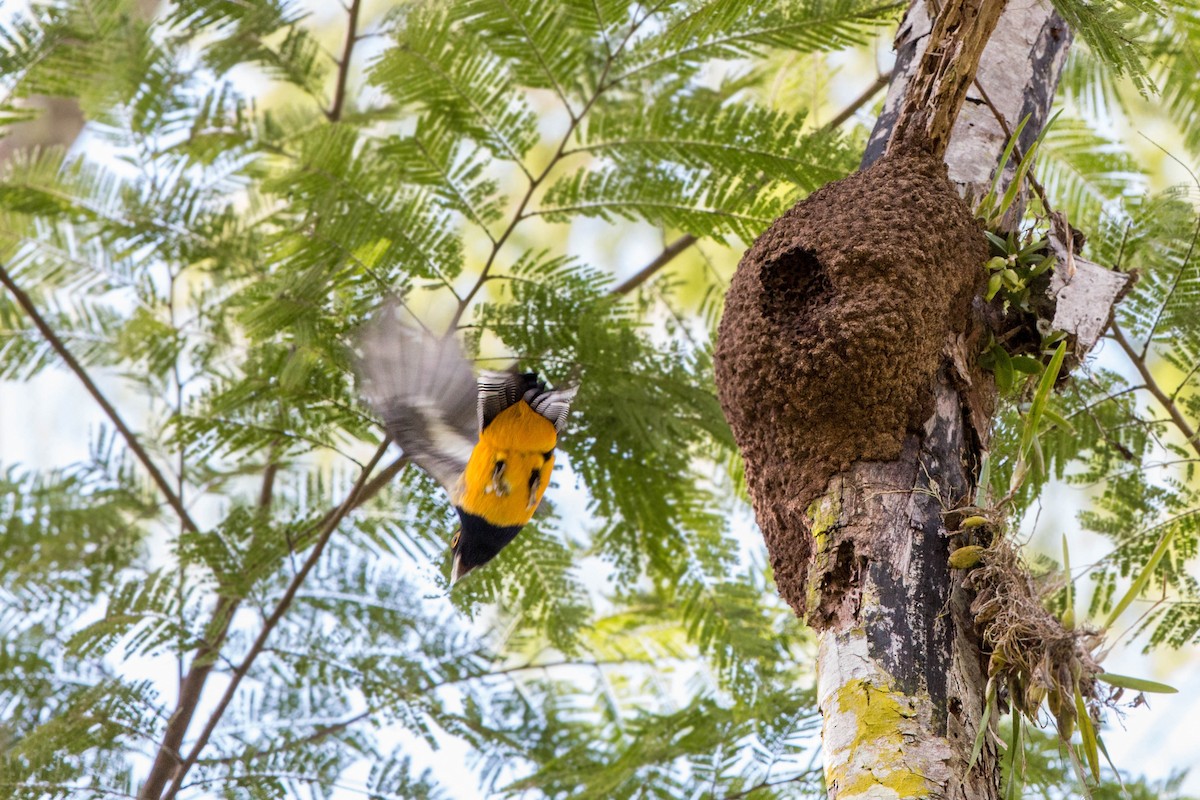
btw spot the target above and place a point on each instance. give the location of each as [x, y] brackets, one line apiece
[901, 677]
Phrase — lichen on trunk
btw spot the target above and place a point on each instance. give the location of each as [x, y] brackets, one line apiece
[908, 633]
[873, 740]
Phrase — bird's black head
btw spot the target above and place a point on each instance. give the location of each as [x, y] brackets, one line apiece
[477, 542]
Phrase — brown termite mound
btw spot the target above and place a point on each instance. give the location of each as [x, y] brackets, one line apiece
[835, 325]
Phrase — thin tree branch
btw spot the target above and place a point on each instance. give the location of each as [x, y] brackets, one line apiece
[852, 108]
[131, 440]
[381, 480]
[368, 491]
[291, 777]
[681, 244]
[329, 526]
[1152, 386]
[519, 215]
[1018, 152]
[266, 493]
[180, 473]
[808, 774]
[1186, 259]
[1185, 381]
[190, 690]
[191, 683]
[168, 757]
[535, 181]
[1162, 309]
[320, 732]
[339, 94]
[661, 260]
[58, 789]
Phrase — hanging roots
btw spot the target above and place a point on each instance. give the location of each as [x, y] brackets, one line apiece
[1033, 654]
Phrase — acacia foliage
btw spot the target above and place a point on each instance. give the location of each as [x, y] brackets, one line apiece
[221, 263]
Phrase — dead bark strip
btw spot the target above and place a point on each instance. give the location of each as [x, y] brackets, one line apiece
[1018, 72]
[944, 72]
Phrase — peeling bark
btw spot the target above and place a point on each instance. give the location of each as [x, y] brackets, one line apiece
[1018, 72]
[943, 73]
[1084, 295]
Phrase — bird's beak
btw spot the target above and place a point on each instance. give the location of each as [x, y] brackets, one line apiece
[457, 570]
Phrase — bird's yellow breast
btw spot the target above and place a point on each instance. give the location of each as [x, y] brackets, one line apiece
[510, 467]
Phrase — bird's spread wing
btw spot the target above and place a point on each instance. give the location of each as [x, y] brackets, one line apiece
[425, 392]
[500, 390]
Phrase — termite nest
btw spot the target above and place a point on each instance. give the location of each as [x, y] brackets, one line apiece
[835, 325]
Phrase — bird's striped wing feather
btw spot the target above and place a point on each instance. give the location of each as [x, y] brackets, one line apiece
[553, 404]
[500, 390]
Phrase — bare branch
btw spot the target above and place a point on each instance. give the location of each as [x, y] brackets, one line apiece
[1152, 386]
[535, 181]
[854, 105]
[266, 493]
[326, 531]
[681, 244]
[160, 480]
[343, 75]
[661, 260]
[168, 756]
[190, 690]
[320, 732]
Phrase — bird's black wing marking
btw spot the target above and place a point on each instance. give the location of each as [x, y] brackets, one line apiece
[501, 390]
[425, 392]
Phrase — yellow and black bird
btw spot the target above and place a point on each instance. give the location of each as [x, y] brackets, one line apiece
[489, 442]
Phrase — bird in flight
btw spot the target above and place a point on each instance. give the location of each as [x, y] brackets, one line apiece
[489, 441]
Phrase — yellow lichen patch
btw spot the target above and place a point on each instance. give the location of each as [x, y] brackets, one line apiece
[823, 514]
[872, 761]
[901, 784]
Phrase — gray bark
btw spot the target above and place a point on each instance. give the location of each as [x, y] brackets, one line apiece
[1018, 73]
